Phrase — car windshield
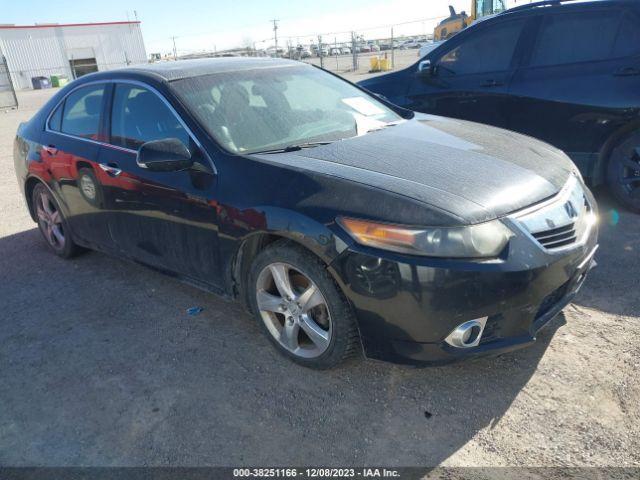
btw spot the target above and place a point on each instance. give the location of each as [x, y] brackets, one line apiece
[280, 108]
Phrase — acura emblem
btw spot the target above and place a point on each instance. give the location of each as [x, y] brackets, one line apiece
[571, 210]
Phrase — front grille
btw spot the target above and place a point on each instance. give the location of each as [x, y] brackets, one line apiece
[557, 237]
[561, 222]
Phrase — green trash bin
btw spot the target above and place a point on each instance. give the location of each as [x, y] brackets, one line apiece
[59, 80]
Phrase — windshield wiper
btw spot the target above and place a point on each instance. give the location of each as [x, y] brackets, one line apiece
[294, 147]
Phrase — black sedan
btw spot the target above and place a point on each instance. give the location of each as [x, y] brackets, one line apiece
[341, 221]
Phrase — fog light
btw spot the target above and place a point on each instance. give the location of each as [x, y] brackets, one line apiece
[467, 334]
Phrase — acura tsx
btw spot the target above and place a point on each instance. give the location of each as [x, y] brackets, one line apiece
[342, 222]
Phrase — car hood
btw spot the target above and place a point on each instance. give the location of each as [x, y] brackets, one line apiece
[474, 172]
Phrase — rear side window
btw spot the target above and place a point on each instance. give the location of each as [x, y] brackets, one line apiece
[576, 37]
[140, 116]
[490, 50]
[81, 115]
[628, 40]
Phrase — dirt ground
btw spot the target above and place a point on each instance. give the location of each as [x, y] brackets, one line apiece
[101, 365]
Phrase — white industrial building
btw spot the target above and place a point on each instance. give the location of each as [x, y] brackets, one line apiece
[69, 49]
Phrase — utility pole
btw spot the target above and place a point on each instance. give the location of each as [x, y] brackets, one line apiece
[275, 34]
[393, 51]
[175, 51]
[354, 51]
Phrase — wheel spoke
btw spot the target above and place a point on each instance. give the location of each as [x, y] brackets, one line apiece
[50, 236]
[268, 302]
[289, 335]
[629, 163]
[281, 278]
[316, 334]
[57, 234]
[630, 180]
[310, 298]
[41, 214]
[56, 218]
[46, 204]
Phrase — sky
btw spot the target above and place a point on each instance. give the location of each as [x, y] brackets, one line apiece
[207, 25]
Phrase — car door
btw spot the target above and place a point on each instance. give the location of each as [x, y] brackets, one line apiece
[71, 147]
[470, 79]
[164, 219]
[580, 82]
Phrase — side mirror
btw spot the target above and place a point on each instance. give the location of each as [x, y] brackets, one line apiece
[167, 155]
[426, 68]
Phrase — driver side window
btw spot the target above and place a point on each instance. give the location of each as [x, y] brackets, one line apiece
[490, 50]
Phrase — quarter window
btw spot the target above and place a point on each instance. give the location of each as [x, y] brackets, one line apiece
[575, 37]
[56, 119]
[490, 50]
[140, 116]
[82, 108]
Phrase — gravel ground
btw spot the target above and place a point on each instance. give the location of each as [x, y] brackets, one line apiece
[101, 365]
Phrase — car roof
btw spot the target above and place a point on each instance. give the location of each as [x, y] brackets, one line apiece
[535, 7]
[176, 70]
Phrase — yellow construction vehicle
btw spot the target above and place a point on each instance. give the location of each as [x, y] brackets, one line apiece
[457, 21]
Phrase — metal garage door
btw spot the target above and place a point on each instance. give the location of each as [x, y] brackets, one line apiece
[7, 93]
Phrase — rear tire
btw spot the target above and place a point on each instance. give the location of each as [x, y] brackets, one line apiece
[300, 308]
[52, 224]
[623, 172]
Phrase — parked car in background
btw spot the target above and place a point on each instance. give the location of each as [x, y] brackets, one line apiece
[564, 72]
[374, 47]
[345, 50]
[304, 52]
[338, 219]
[427, 48]
[410, 44]
[364, 48]
[335, 51]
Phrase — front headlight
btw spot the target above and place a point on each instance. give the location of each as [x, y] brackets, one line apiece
[475, 241]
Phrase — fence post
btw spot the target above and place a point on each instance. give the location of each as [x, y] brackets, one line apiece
[320, 51]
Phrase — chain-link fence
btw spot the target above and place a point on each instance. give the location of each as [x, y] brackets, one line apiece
[352, 53]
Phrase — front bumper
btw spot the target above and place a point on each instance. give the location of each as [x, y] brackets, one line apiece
[406, 306]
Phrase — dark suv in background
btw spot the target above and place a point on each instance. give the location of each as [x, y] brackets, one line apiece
[564, 72]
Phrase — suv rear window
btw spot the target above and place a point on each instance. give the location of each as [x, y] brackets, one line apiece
[576, 37]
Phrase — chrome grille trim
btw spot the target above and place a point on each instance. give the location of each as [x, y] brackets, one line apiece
[560, 223]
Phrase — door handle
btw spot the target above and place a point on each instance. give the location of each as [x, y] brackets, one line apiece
[491, 83]
[627, 72]
[50, 149]
[111, 169]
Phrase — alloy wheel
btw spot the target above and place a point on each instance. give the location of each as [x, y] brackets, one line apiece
[630, 173]
[294, 310]
[50, 221]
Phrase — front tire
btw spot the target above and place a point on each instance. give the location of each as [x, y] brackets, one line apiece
[52, 224]
[623, 172]
[300, 308]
